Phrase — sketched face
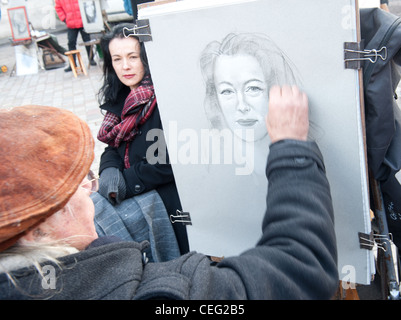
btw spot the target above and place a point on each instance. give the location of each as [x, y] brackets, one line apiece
[242, 93]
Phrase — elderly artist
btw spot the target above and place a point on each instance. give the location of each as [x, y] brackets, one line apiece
[49, 249]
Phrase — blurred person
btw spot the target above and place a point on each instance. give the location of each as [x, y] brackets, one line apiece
[128, 7]
[129, 101]
[69, 13]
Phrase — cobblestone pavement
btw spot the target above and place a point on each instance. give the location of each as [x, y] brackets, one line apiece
[55, 88]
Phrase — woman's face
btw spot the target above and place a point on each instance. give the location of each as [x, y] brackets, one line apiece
[125, 57]
[242, 93]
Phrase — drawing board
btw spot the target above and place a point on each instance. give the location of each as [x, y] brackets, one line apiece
[219, 160]
[19, 23]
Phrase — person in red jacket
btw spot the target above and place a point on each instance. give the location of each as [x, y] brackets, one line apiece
[68, 12]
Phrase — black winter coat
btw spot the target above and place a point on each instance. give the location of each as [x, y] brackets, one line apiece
[380, 29]
[143, 176]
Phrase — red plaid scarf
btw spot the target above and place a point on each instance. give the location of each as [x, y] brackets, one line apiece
[138, 107]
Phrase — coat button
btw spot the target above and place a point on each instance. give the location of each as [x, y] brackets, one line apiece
[137, 188]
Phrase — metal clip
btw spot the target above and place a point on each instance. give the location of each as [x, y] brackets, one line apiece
[140, 30]
[366, 241]
[181, 217]
[383, 241]
[354, 53]
[368, 54]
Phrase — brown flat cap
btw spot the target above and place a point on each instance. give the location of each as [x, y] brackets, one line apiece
[45, 154]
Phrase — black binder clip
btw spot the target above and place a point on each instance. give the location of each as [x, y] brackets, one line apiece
[354, 54]
[140, 30]
[181, 217]
[366, 241]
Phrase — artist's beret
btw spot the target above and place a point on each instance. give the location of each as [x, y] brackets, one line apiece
[45, 154]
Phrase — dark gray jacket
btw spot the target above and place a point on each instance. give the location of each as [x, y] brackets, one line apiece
[295, 258]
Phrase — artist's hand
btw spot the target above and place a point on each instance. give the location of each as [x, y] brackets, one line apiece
[287, 117]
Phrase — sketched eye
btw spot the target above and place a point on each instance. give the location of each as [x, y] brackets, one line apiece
[254, 90]
[226, 92]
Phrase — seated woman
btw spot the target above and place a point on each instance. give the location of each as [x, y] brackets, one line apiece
[128, 97]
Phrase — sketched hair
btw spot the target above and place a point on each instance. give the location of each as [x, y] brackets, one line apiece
[276, 67]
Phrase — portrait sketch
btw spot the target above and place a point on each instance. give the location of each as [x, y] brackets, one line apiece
[91, 13]
[19, 23]
[212, 64]
[238, 72]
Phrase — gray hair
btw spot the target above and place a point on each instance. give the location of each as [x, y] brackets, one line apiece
[34, 254]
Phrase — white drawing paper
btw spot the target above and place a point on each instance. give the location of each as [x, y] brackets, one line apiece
[218, 156]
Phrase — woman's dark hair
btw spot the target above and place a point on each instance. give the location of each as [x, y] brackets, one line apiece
[112, 86]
